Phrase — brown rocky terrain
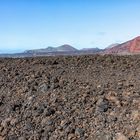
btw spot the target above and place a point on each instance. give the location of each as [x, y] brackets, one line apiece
[70, 98]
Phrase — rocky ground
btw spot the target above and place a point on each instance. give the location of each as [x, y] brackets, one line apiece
[70, 98]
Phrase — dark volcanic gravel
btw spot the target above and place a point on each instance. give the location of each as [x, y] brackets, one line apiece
[70, 98]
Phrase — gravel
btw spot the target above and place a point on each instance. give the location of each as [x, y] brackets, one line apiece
[70, 98]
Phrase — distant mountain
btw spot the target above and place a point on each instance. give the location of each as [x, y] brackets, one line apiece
[63, 48]
[49, 49]
[91, 49]
[129, 47]
[66, 48]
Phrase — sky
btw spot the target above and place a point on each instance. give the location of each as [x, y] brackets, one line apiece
[32, 24]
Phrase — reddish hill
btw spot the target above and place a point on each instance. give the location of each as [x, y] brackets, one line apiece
[129, 47]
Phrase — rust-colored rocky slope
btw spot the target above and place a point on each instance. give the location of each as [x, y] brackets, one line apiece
[70, 98]
[129, 47]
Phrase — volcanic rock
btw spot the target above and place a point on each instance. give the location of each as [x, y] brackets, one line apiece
[75, 97]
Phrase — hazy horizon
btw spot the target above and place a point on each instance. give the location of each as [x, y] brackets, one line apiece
[91, 23]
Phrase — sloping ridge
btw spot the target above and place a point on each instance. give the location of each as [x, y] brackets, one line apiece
[63, 48]
[66, 48]
[132, 46]
[135, 47]
[112, 45]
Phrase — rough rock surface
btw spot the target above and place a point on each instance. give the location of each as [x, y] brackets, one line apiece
[70, 98]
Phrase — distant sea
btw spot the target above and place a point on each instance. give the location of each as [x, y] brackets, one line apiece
[8, 51]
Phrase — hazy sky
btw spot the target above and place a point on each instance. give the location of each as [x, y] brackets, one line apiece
[27, 24]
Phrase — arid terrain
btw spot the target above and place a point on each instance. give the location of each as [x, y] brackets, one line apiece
[70, 98]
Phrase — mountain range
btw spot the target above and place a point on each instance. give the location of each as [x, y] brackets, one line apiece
[63, 48]
[126, 48]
